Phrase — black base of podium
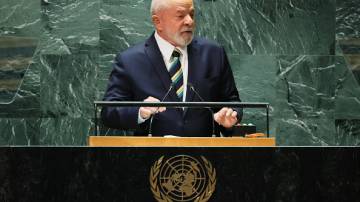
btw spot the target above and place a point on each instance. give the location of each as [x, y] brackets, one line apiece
[122, 174]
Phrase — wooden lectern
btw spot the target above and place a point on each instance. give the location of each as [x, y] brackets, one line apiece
[131, 141]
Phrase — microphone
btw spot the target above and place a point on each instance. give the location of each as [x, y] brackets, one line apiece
[152, 116]
[209, 108]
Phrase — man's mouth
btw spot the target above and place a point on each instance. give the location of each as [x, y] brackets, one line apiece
[188, 31]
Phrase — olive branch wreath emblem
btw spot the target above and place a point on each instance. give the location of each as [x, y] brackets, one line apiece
[161, 197]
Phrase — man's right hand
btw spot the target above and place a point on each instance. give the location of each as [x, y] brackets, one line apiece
[146, 112]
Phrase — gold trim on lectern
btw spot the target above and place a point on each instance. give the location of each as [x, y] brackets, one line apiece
[131, 141]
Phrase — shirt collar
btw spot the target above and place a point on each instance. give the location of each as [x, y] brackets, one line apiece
[167, 48]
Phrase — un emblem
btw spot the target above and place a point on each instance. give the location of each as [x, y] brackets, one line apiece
[182, 178]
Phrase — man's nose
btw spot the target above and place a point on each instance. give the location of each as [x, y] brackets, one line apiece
[189, 21]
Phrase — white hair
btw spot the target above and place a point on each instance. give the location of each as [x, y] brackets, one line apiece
[157, 5]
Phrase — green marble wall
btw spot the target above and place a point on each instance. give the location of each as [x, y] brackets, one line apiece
[303, 57]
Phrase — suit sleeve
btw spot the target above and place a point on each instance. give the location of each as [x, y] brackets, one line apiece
[229, 91]
[119, 89]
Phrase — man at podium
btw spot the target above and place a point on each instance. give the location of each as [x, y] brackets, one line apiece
[172, 65]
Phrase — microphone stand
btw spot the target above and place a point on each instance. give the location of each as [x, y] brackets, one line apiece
[152, 116]
[209, 108]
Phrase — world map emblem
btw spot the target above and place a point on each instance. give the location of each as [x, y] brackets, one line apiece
[182, 178]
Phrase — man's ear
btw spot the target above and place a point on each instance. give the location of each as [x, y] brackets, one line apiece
[156, 22]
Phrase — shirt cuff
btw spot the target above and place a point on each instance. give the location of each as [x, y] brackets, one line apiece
[140, 119]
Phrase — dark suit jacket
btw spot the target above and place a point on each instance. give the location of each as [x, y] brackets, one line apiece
[140, 72]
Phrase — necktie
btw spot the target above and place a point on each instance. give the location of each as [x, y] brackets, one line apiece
[176, 74]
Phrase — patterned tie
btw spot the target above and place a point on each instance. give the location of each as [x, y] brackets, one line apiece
[176, 74]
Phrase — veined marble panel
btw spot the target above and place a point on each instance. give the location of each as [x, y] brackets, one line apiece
[19, 131]
[255, 78]
[15, 58]
[64, 131]
[68, 86]
[348, 26]
[25, 86]
[69, 27]
[123, 24]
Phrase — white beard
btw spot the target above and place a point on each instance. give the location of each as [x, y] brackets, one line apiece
[180, 40]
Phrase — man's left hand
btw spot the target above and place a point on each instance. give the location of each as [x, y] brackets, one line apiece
[226, 117]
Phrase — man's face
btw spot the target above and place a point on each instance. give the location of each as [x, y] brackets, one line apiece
[176, 23]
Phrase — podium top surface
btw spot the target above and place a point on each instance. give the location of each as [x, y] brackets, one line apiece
[127, 141]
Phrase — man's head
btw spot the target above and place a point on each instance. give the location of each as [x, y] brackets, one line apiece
[174, 20]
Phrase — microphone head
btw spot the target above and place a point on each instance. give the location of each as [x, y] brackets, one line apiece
[172, 85]
[190, 85]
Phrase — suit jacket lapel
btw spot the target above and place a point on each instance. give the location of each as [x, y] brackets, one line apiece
[153, 52]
